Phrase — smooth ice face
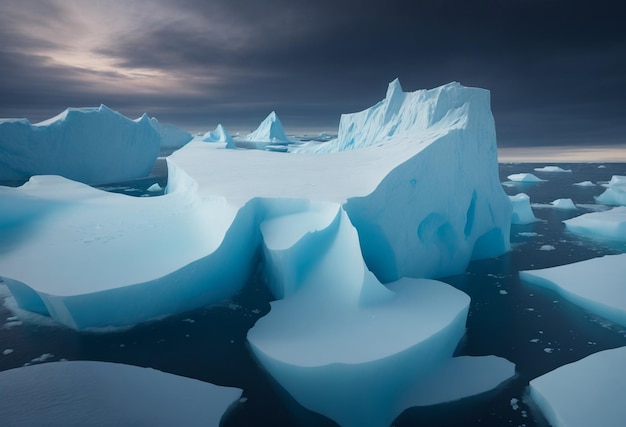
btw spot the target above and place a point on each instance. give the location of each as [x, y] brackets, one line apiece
[589, 392]
[565, 204]
[596, 285]
[552, 169]
[524, 177]
[91, 145]
[171, 136]
[615, 194]
[100, 393]
[609, 224]
[522, 211]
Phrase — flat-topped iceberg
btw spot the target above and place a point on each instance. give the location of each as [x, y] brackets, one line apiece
[83, 393]
[524, 177]
[91, 145]
[552, 169]
[596, 284]
[609, 224]
[589, 392]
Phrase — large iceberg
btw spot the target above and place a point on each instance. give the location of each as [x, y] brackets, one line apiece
[85, 393]
[419, 203]
[589, 392]
[91, 145]
[596, 284]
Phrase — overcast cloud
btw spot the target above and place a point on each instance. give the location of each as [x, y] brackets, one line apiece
[556, 69]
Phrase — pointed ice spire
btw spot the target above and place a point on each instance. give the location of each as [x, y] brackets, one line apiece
[393, 100]
[270, 130]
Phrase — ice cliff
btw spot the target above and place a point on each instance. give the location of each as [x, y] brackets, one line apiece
[91, 145]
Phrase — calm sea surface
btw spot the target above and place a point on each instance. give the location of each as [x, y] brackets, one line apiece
[532, 327]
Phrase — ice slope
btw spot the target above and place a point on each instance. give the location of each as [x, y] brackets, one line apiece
[83, 393]
[270, 130]
[92, 259]
[615, 194]
[91, 145]
[609, 224]
[219, 135]
[589, 392]
[344, 345]
[522, 211]
[171, 136]
[596, 284]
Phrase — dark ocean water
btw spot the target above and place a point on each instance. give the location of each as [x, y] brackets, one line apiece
[530, 326]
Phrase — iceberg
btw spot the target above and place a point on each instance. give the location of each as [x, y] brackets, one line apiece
[219, 135]
[552, 169]
[615, 194]
[596, 284]
[90, 145]
[102, 393]
[524, 177]
[565, 204]
[585, 184]
[270, 130]
[587, 392]
[417, 214]
[171, 136]
[609, 224]
[522, 211]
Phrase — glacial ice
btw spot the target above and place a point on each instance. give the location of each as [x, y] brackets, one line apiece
[596, 284]
[171, 136]
[552, 169]
[220, 134]
[524, 177]
[82, 393]
[615, 194]
[588, 392]
[609, 224]
[332, 228]
[522, 211]
[82, 144]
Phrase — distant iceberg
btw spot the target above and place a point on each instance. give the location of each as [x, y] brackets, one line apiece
[615, 194]
[588, 392]
[270, 130]
[552, 169]
[91, 145]
[524, 177]
[219, 135]
[565, 204]
[82, 393]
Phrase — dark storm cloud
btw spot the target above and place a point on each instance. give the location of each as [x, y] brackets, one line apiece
[556, 69]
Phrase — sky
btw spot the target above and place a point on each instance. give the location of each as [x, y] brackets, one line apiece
[556, 69]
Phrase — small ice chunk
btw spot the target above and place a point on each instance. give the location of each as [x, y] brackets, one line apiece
[522, 212]
[585, 184]
[155, 188]
[7, 351]
[552, 169]
[547, 248]
[565, 204]
[524, 177]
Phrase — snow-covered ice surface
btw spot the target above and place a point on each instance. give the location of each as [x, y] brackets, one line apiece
[91, 145]
[609, 224]
[588, 392]
[596, 284]
[85, 393]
